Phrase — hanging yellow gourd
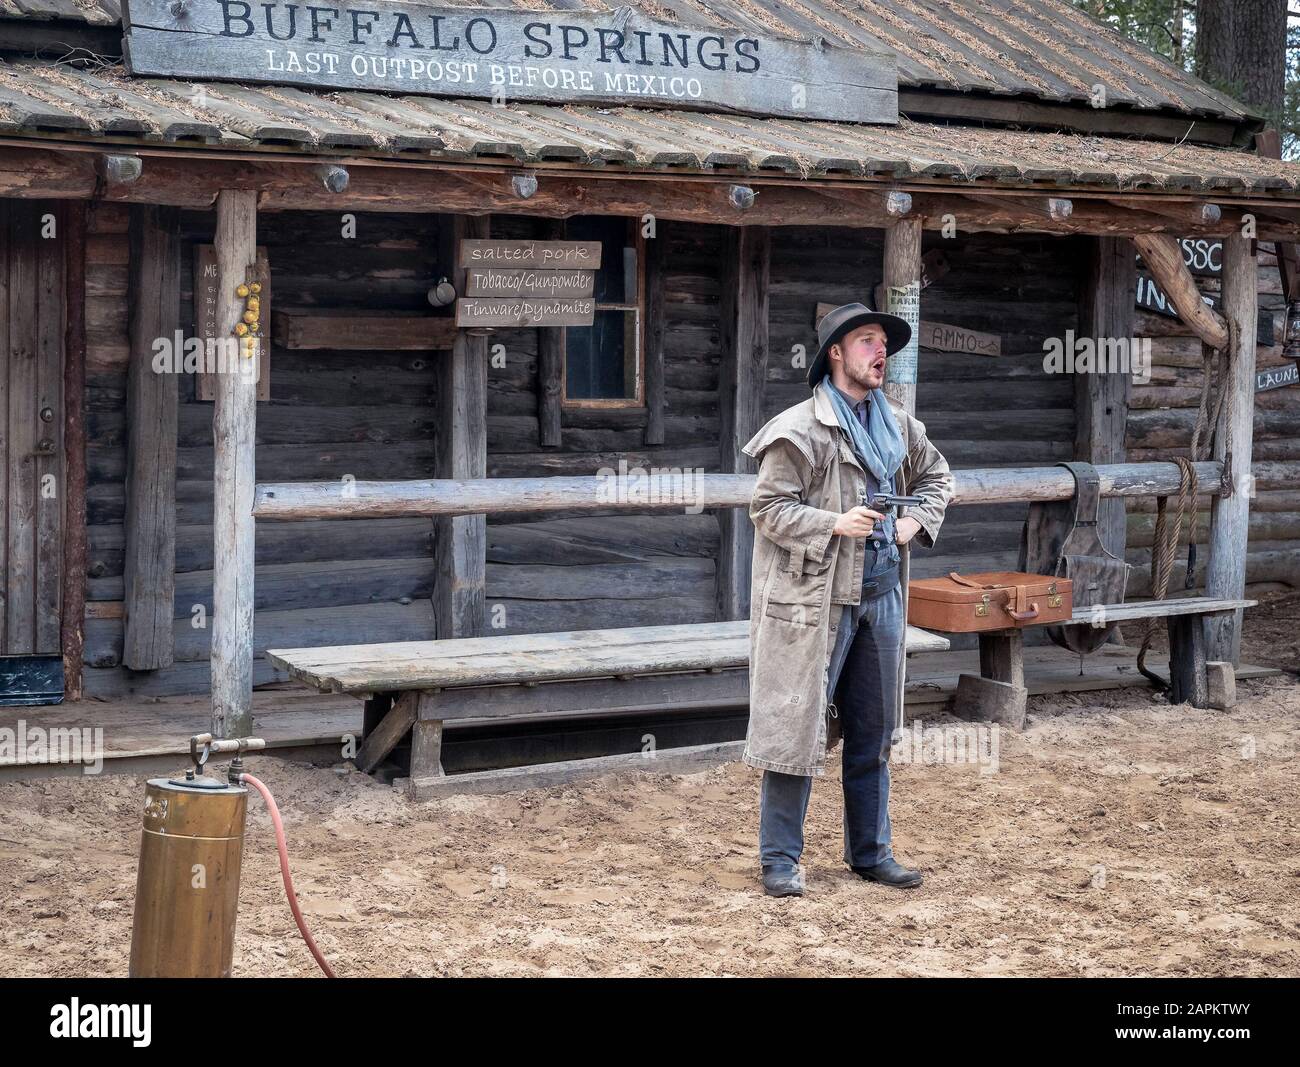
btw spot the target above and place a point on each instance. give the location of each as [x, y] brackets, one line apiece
[240, 329]
[241, 290]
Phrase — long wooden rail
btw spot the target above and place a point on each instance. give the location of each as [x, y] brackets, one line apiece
[371, 500]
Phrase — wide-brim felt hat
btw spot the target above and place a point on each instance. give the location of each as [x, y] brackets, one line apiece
[839, 321]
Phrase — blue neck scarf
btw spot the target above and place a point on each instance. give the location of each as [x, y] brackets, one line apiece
[879, 450]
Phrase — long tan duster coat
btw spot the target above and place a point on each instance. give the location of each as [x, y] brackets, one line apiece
[808, 476]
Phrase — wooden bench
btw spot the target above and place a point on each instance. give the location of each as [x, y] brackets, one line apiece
[415, 686]
[999, 693]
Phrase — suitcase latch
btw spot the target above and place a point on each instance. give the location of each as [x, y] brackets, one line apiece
[983, 607]
[1053, 597]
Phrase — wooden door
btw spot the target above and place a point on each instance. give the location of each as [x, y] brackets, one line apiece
[31, 425]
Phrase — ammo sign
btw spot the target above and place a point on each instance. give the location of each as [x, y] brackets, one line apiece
[506, 55]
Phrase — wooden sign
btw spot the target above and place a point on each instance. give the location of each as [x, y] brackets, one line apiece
[488, 281]
[539, 283]
[941, 337]
[564, 311]
[1277, 377]
[205, 317]
[934, 265]
[540, 255]
[622, 57]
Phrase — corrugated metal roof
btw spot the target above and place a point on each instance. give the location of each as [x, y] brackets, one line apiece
[39, 97]
[1046, 49]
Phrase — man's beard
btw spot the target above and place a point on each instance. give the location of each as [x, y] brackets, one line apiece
[860, 380]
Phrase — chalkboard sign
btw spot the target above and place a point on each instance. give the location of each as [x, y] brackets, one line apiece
[1277, 377]
[569, 57]
[1150, 297]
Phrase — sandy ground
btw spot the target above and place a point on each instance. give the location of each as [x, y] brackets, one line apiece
[1117, 836]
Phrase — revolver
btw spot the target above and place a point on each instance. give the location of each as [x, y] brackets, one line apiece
[885, 502]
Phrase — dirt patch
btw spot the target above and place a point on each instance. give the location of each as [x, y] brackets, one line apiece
[1118, 836]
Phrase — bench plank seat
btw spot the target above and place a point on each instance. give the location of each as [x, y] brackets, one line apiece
[526, 658]
[999, 694]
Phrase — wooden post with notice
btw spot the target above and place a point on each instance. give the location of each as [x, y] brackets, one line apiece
[902, 284]
[901, 278]
[234, 418]
[1225, 575]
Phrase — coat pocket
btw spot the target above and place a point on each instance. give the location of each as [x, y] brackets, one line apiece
[797, 598]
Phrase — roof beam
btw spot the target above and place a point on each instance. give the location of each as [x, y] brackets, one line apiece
[1194, 215]
[192, 178]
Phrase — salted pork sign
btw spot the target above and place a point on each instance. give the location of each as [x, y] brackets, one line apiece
[571, 57]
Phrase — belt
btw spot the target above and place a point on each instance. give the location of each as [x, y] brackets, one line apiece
[881, 584]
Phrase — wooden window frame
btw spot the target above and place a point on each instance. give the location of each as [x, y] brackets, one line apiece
[638, 400]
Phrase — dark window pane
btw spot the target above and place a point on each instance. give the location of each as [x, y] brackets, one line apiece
[612, 233]
[600, 360]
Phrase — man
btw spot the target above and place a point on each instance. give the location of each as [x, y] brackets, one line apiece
[828, 603]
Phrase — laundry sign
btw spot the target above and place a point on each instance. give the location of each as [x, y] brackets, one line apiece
[570, 57]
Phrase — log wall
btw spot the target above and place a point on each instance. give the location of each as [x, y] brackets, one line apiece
[366, 414]
[599, 570]
[371, 414]
[1161, 417]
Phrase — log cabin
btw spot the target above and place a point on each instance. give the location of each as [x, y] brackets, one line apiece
[992, 171]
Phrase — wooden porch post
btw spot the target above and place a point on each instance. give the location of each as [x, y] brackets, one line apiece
[460, 542]
[745, 275]
[234, 419]
[902, 284]
[149, 572]
[1101, 399]
[1230, 512]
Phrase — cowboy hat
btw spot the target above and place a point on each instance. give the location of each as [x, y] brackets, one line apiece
[839, 321]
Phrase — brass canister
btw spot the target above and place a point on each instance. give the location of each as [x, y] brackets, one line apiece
[187, 887]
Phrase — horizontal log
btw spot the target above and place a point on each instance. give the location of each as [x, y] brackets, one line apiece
[180, 178]
[319, 500]
[298, 328]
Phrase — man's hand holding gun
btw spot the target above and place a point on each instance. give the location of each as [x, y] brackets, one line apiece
[861, 521]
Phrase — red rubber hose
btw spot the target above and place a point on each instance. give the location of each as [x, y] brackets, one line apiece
[284, 871]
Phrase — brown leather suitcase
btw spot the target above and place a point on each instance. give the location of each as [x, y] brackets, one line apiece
[998, 600]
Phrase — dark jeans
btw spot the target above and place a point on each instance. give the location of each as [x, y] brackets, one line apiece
[868, 644]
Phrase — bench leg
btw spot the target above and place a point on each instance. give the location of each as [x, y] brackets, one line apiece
[391, 729]
[1187, 677]
[999, 694]
[1221, 685]
[426, 749]
[1002, 656]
